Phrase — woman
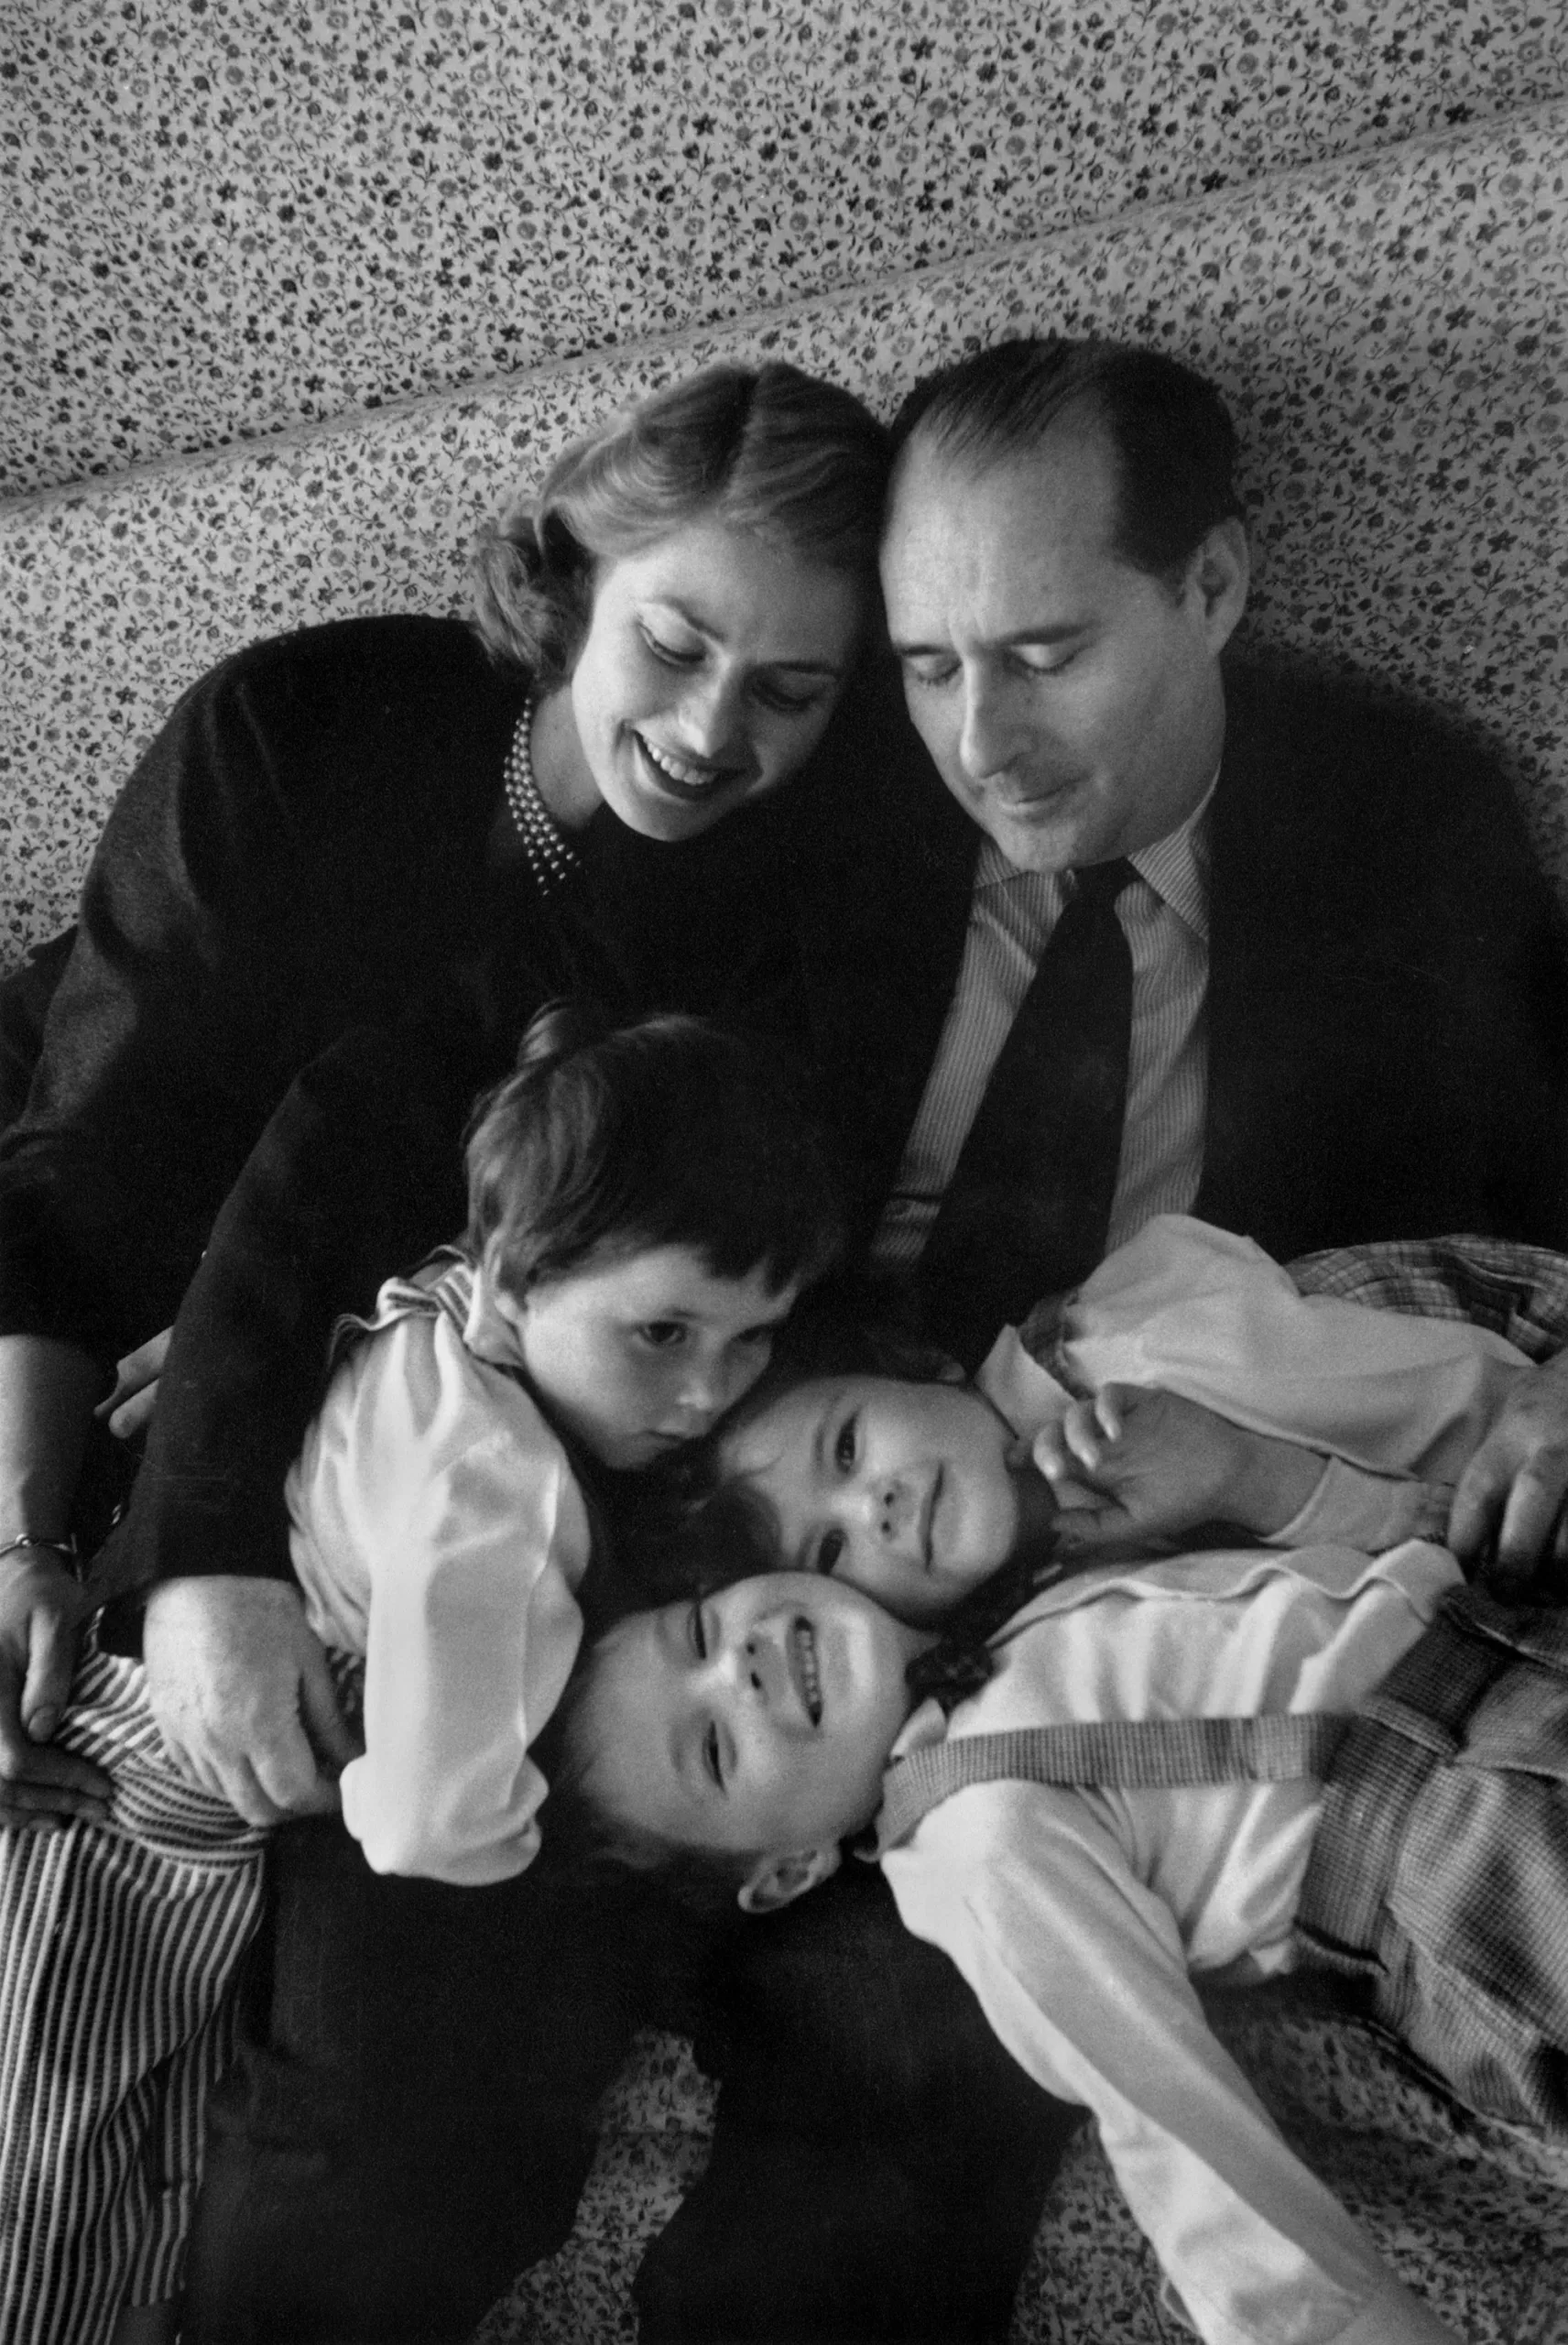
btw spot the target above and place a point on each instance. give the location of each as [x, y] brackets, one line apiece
[324, 906]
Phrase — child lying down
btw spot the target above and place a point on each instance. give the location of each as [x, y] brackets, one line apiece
[1380, 1786]
[1296, 1418]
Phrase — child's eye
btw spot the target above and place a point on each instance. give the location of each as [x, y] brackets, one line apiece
[662, 1333]
[698, 1633]
[830, 1551]
[711, 1761]
[843, 1446]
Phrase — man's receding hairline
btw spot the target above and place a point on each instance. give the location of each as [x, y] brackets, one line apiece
[1082, 417]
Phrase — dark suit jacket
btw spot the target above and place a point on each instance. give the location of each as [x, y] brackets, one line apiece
[1388, 1003]
[1386, 1023]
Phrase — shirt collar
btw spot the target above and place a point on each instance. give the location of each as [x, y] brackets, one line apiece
[487, 1333]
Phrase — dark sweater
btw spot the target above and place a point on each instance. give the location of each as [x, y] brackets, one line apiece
[307, 938]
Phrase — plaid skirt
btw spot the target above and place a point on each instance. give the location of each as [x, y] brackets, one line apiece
[1438, 1883]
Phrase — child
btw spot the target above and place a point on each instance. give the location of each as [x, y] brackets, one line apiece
[644, 1207]
[753, 1729]
[1231, 1395]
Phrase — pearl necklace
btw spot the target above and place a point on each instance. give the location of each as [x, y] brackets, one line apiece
[551, 857]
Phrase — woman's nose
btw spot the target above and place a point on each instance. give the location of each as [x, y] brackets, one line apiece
[709, 714]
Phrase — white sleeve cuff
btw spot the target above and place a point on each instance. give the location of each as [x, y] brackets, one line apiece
[1354, 1508]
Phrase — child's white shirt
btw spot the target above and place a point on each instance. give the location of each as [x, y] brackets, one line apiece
[1077, 1914]
[1209, 1316]
[437, 1528]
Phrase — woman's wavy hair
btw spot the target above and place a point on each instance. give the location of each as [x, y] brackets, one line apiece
[768, 450]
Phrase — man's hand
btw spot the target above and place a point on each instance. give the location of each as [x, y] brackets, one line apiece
[129, 1409]
[243, 1697]
[41, 1610]
[1138, 1466]
[1509, 1515]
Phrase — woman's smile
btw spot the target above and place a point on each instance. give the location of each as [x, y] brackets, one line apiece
[683, 775]
[710, 669]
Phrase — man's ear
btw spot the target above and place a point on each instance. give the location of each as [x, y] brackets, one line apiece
[1221, 573]
[775, 1881]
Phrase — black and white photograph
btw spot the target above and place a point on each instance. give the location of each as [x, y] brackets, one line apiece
[784, 1173]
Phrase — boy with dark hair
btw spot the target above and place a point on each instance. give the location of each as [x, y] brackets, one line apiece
[1252, 1757]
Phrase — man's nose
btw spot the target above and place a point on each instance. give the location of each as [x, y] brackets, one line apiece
[988, 735]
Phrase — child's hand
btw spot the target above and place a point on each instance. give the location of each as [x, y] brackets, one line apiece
[1136, 1466]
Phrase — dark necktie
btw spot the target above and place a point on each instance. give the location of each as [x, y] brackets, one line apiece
[1027, 1207]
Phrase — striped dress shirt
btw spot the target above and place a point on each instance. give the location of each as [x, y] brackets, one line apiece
[1164, 915]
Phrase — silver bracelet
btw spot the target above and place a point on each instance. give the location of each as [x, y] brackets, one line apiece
[65, 1548]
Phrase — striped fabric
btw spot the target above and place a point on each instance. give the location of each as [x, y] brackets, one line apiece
[1131, 1754]
[1165, 917]
[119, 1945]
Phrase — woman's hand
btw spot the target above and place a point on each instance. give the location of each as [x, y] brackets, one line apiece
[127, 1410]
[242, 1696]
[1511, 1510]
[1136, 1466]
[41, 1610]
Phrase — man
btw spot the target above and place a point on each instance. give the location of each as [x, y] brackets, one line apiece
[1343, 1020]
[879, 2169]
[1348, 976]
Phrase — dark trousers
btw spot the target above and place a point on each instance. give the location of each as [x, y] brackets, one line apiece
[410, 2121]
[880, 2160]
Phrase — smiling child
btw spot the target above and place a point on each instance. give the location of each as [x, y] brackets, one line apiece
[748, 1732]
[1186, 1383]
[645, 1204]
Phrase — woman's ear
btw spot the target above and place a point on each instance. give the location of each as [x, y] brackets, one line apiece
[776, 1882]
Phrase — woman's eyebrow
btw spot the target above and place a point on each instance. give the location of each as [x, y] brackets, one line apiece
[714, 634]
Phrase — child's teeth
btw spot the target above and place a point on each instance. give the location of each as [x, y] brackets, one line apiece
[806, 1647]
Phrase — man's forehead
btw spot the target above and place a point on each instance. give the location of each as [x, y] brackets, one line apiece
[1071, 465]
[1014, 526]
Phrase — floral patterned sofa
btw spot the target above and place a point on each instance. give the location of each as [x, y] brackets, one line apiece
[1390, 331]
